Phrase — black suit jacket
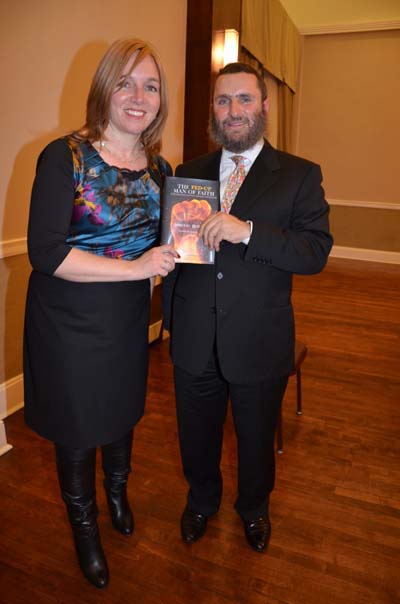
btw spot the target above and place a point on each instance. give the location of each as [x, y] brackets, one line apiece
[243, 302]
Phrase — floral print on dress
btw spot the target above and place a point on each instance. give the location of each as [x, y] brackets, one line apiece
[116, 212]
[84, 204]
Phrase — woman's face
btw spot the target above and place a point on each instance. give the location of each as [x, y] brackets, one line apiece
[136, 100]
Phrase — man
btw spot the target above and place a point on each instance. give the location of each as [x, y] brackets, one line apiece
[231, 324]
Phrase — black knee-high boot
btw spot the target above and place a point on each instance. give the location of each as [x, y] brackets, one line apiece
[76, 474]
[117, 466]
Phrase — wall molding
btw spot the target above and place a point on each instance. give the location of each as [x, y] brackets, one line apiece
[13, 247]
[11, 395]
[353, 203]
[356, 253]
[344, 28]
[11, 399]
[4, 445]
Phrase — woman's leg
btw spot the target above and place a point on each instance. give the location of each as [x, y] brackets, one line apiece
[76, 474]
[117, 466]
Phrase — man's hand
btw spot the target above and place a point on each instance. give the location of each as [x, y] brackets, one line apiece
[223, 226]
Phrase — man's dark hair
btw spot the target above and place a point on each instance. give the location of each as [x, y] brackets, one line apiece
[244, 68]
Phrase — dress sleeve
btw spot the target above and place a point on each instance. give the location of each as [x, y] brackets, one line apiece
[51, 208]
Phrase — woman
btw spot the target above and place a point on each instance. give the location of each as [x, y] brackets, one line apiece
[93, 224]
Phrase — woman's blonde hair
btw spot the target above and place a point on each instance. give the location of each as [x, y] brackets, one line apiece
[104, 84]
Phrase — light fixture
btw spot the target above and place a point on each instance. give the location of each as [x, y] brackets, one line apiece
[225, 48]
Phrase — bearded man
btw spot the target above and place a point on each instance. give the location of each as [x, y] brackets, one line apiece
[231, 324]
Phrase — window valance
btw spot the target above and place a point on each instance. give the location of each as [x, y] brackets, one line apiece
[271, 37]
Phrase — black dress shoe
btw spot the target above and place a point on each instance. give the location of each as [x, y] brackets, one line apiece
[258, 533]
[193, 525]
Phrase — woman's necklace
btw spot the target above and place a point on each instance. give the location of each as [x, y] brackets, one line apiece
[130, 162]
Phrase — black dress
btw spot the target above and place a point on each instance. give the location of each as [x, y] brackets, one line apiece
[86, 344]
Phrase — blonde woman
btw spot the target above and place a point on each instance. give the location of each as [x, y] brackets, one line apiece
[92, 239]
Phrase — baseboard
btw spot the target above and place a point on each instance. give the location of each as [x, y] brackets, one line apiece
[11, 396]
[4, 445]
[356, 253]
[11, 399]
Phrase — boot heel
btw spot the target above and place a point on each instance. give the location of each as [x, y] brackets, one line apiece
[117, 467]
[120, 511]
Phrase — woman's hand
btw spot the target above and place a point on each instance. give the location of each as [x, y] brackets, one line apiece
[157, 261]
[86, 267]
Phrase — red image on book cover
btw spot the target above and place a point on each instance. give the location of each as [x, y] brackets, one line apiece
[187, 203]
[185, 221]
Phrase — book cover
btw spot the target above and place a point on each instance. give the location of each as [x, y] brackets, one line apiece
[187, 202]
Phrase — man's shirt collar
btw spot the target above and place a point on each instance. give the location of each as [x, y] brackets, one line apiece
[249, 154]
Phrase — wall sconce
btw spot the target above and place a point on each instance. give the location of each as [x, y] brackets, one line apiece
[225, 48]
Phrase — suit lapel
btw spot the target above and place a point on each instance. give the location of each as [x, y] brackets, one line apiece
[262, 175]
[209, 166]
[214, 165]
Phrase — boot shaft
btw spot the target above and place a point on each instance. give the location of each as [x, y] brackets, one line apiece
[116, 461]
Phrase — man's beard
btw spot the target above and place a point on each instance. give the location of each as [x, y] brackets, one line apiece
[238, 145]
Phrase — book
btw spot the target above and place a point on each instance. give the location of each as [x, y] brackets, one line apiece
[187, 202]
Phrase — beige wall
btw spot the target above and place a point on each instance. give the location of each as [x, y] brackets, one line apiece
[349, 122]
[49, 50]
[14, 272]
[368, 228]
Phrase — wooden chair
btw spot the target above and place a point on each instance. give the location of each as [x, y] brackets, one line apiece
[300, 354]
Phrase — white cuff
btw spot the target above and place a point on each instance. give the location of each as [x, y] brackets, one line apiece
[246, 241]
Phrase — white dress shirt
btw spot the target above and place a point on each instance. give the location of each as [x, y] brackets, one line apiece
[227, 166]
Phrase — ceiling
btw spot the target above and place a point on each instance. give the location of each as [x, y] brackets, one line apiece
[314, 16]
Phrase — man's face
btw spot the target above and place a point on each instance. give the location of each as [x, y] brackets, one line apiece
[239, 114]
